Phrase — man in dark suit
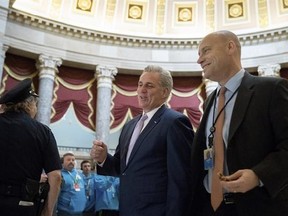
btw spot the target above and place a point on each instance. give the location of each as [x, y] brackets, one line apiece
[155, 178]
[255, 136]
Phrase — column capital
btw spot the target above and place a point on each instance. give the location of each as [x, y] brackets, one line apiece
[48, 66]
[269, 70]
[105, 75]
[50, 62]
[103, 71]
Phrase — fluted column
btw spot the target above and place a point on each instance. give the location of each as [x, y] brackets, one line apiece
[47, 67]
[4, 8]
[3, 49]
[269, 70]
[105, 75]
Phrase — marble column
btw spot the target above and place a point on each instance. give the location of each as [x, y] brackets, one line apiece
[104, 75]
[4, 9]
[269, 70]
[3, 49]
[47, 67]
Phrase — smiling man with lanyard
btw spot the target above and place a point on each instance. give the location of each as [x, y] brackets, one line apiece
[252, 132]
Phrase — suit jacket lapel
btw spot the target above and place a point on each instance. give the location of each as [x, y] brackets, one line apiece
[207, 106]
[199, 142]
[244, 95]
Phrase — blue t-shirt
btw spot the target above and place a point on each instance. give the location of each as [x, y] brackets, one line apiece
[72, 197]
[89, 191]
[107, 192]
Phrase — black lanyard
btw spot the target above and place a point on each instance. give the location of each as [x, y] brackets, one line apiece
[212, 128]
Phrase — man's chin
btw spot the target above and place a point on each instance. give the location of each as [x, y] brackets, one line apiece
[206, 75]
[70, 168]
[141, 104]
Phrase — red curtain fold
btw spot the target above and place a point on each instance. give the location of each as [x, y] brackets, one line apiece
[20, 65]
[75, 76]
[17, 68]
[127, 82]
[79, 100]
[188, 105]
[122, 105]
[77, 87]
[186, 84]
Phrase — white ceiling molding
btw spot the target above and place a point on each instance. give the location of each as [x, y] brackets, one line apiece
[30, 34]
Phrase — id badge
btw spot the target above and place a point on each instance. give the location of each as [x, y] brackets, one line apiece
[208, 158]
[76, 187]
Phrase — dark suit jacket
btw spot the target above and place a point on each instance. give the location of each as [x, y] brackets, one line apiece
[258, 140]
[156, 180]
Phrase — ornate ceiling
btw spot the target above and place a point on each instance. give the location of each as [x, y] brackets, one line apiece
[129, 34]
[162, 18]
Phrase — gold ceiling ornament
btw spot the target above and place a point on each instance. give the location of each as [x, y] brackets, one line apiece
[135, 11]
[184, 14]
[84, 5]
[284, 6]
[235, 10]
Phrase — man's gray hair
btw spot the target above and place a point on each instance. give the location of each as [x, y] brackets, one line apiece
[166, 80]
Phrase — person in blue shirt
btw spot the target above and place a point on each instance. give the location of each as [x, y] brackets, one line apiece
[88, 177]
[107, 195]
[72, 197]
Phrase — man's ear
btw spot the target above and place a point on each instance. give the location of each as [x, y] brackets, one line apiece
[166, 93]
[231, 46]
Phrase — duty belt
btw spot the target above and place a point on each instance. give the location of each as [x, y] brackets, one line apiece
[10, 190]
[228, 198]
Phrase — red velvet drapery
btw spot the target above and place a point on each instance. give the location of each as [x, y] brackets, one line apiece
[76, 86]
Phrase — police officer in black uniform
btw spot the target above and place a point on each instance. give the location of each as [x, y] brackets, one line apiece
[27, 148]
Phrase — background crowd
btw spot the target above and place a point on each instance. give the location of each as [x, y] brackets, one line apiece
[84, 192]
